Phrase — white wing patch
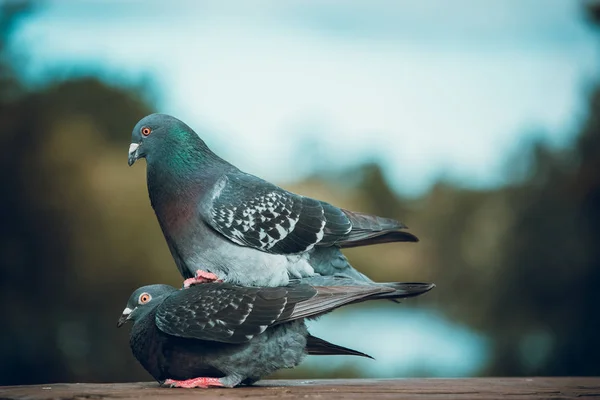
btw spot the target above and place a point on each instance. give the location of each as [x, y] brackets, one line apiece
[245, 316]
[270, 213]
[320, 234]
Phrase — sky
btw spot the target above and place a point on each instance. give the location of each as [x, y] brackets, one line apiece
[428, 88]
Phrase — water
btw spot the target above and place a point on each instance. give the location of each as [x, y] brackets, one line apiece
[403, 341]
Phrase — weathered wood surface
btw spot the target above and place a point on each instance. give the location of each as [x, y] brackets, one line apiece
[364, 389]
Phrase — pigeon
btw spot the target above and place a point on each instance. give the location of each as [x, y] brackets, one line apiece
[222, 335]
[222, 224]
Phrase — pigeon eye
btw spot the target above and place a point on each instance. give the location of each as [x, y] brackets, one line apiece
[144, 298]
[146, 131]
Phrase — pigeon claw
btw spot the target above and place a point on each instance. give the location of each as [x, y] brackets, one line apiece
[203, 383]
[201, 277]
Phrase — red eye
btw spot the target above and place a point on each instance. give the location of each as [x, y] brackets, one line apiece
[146, 131]
[144, 298]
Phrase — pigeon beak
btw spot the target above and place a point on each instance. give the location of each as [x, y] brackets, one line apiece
[133, 153]
[125, 317]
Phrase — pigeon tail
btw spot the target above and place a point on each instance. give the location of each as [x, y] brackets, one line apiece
[403, 290]
[320, 347]
[400, 289]
[392, 291]
[371, 229]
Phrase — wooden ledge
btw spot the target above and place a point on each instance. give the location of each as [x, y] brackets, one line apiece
[364, 389]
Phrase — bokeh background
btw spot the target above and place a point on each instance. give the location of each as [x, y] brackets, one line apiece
[475, 123]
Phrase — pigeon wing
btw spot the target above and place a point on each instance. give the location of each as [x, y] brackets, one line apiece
[226, 313]
[254, 213]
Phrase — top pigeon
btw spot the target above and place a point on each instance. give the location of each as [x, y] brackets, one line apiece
[237, 227]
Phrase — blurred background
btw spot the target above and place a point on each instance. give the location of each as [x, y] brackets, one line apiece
[475, 123]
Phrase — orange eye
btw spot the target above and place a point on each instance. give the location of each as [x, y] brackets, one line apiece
[146, 131]
[144, 298]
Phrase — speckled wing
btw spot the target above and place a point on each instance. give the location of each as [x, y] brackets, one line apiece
[226, 313]
[254, 213]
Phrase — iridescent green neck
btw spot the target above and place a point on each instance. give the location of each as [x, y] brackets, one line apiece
[182, 169]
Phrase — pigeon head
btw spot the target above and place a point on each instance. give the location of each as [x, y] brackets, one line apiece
[142, 301]
[163, 137]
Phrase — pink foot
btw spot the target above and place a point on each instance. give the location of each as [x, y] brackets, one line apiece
[201, 277]
[203, 383]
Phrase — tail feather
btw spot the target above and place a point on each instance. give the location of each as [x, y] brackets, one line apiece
[390, 290]
[316, 346]
[371, 229]
[370, 238]
[339, 292]
[403, 290]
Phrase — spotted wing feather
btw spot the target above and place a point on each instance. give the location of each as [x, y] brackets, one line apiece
[226, 313]
[252, 212]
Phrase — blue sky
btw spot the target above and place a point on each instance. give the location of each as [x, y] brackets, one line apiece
[426, 88]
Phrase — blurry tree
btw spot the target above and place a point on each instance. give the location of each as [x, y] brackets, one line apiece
[540, 305]
[520, 263]
[73, 225]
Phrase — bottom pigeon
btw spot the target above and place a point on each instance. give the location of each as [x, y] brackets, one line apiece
[222, 335]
